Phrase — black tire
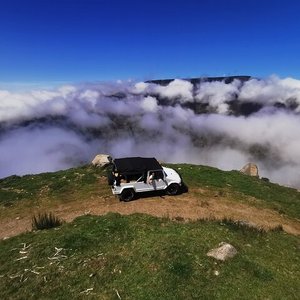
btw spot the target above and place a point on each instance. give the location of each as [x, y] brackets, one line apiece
[127, 195]
[173, 189]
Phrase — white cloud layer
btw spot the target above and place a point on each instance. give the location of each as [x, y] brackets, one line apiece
[180, 89]
[47, 130]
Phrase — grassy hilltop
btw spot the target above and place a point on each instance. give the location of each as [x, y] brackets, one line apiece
[85, 182]
[138, 256]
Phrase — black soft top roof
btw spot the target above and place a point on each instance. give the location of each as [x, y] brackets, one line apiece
[133, 165]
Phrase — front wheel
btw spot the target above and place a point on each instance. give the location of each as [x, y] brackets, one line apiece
[173, 189]
[127, 195]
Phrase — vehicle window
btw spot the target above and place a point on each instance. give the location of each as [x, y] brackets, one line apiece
[158, 175]
[133, 177]
[141, 178]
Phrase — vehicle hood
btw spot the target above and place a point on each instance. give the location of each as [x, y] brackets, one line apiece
[172, 175]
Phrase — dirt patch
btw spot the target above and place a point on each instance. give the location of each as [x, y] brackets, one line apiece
[186, 207]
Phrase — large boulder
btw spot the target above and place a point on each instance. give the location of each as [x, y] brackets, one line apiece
[101, 160]
[223, 252]
[250, 169]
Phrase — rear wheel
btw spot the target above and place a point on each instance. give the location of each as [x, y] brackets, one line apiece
[127, 195]
[173, 189]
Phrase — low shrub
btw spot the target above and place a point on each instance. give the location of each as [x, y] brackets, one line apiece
[45, 221]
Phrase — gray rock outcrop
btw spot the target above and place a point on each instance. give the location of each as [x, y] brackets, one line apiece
[250, 169]
[223, 252]
[101, 160]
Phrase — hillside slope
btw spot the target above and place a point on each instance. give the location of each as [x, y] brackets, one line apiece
[129, 254]
[144, 257]
[212, 194]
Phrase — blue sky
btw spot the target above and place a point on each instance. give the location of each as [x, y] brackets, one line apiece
[90, 40]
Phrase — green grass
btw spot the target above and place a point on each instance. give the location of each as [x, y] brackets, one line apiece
[62, 184]
[143, 257]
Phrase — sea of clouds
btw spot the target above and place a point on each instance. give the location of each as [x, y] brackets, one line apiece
[47, 130]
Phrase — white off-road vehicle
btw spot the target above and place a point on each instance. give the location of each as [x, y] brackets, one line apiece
[132, 175]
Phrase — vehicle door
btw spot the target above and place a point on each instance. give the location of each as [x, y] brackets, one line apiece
[141, 184]
[156, 180]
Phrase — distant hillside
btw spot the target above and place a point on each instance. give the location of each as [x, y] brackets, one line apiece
[237, 108]
[199, 80]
